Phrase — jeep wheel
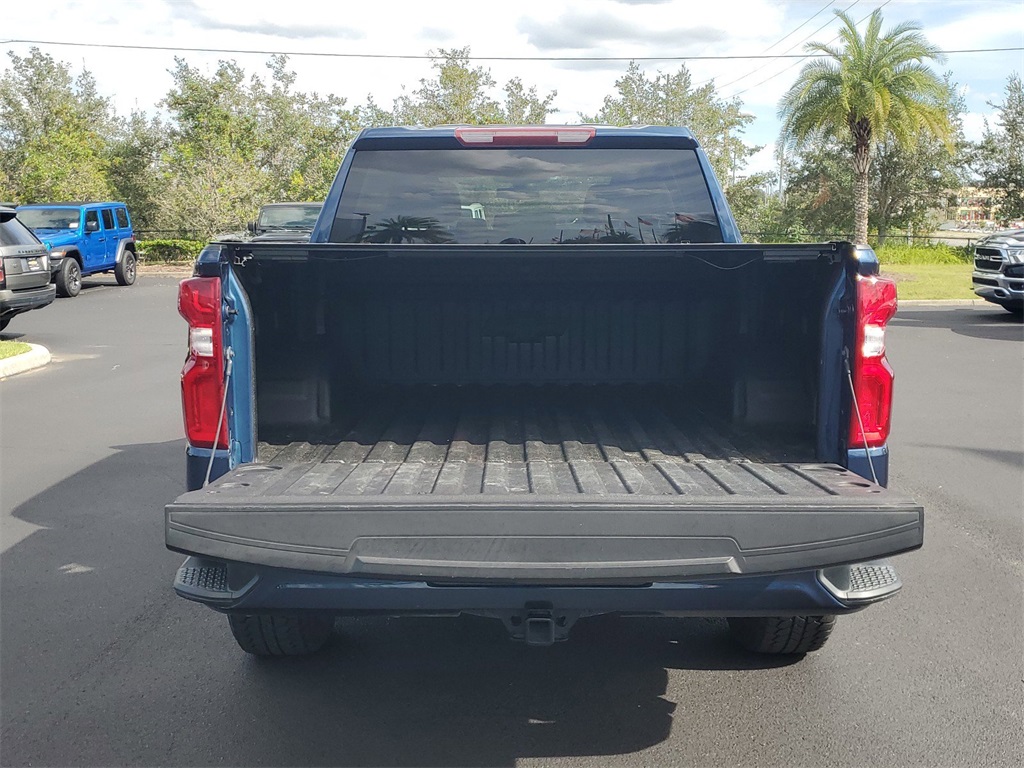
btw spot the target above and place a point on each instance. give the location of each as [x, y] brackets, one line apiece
[125, 269]
[782, 634]
[3, 322]
[280, 634]
[69, 279]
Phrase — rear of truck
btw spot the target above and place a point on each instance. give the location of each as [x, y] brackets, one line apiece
[532, 374]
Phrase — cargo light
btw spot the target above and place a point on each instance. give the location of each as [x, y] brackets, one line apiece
[871, 375]
[524, 136]
[202, 378]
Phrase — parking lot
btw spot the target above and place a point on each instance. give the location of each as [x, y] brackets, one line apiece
[100, 664]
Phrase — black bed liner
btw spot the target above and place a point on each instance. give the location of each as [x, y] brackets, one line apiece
[486, 485]
[540, 440]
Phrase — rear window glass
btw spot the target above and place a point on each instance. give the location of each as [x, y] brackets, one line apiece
[108, 218]
[122, 217]
[539, 196]
[289, 216]
[50, 218]
[13, 232]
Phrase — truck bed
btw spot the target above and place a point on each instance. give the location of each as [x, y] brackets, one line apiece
[561, 441]
[541, 485]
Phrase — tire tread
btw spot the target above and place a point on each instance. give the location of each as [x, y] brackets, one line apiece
[279, 634]
[782, 634]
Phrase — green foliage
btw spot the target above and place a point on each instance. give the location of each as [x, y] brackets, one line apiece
[1000, 153]
[54, 131]
[751, 201]
[908, 184]
[134, 167]
[871, 88]
[935, 253]
[460, 94]
[169, 251]
[237, 142]
[671, 99]
[63, 164]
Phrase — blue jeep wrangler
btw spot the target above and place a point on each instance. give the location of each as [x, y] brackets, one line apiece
[84, 239]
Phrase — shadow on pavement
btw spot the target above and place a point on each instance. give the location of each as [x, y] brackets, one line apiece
[1012, 459]
[102, 664]
[980, 323]
[444, 692]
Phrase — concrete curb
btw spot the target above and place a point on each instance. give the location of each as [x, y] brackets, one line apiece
[36, 357]
[945, 303]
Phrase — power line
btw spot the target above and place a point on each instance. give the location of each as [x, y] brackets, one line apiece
[782, 55]
[425, 57]
[811, 56]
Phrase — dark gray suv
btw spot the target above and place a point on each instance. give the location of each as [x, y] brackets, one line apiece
[24, 269]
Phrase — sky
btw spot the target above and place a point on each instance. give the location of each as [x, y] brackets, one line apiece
[656, 33]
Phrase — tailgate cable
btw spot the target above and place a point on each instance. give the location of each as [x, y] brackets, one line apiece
[220, 419]
[856, 408]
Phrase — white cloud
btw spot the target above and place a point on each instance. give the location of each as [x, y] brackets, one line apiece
[624, 28]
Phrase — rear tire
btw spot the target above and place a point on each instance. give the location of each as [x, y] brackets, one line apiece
[782, 634]
[126, 269]
[69, 278]
[280, 634]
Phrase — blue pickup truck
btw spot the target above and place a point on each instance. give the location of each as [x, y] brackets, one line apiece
[84, 238]
[532, 373]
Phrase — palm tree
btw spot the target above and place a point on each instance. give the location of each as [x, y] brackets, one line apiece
[406, 229]
[866, 89]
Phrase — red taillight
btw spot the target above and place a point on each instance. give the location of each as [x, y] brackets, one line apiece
[524, 136]
[872, 376]
[202, 378]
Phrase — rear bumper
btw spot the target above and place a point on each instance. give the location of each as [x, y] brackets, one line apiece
[15, 302]
[240, 588]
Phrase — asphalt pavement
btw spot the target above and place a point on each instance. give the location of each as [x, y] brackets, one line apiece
[100, 664]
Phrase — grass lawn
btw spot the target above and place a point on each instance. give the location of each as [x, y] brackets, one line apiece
[931, 281]
[12, 348]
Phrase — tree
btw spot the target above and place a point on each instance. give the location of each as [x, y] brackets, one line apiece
[236, 142]
[461, 94]
[301, 137]
[671, 99]
[135, 159]
[867, 89]
[54, 131]
[909, 183]
[1000, 153]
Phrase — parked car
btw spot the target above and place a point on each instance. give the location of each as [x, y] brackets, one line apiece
[84, 238]
[24, 269]
[999, 270]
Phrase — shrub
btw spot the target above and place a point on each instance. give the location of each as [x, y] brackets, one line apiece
[170, 251]
[934, 253]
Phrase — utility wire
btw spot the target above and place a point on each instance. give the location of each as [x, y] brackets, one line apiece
[808, 56]
[782, 55]
[425, 57]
